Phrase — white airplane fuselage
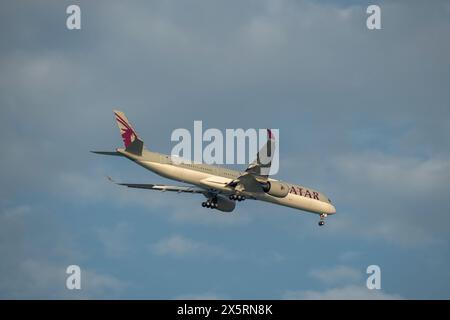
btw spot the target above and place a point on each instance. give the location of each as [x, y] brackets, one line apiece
[218, 179]
[222, 187]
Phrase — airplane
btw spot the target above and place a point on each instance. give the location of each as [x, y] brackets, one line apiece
[221, 187]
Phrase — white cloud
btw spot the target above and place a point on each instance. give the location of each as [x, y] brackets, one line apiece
[201, 296]
[401, 175]
[348, 284]
[336, 274]
[36, 250]
[349, 256]
[180, 246]
[45, 279]
[115, 239]
[198, 215]
[99, 285]
[395, 198]
[351, 292]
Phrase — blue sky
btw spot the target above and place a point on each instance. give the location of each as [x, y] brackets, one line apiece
[363, 116]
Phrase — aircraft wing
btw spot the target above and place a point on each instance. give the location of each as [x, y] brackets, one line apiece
[159, 187]
[246, 182]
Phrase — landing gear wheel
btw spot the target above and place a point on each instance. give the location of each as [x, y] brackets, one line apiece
[322, 219]
[236, 197]
[212, 204]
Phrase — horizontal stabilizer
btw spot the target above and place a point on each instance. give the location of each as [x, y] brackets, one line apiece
[108, 153]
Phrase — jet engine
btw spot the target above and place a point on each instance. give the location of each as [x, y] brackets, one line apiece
[225, 205]
[275, 188]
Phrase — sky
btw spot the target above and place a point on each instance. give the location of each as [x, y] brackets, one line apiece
[364, 116]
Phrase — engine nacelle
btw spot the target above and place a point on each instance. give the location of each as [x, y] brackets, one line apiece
[275, 188]
[224, 204]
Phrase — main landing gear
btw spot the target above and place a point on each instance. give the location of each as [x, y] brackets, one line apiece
[210, 203]
[322, 219]
[237, 197]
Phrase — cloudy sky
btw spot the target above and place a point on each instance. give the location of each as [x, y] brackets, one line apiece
[363, 116]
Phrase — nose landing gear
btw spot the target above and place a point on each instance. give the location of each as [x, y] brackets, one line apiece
[322, 219]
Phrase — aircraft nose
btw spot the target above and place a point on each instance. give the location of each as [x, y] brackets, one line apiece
[333, 209]
[330, 209]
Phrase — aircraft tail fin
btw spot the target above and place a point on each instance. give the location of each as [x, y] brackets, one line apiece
[130, 138]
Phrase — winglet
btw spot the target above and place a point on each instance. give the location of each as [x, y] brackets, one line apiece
[263, 162]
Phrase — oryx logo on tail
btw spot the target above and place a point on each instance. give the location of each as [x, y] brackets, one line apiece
[126, 130]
